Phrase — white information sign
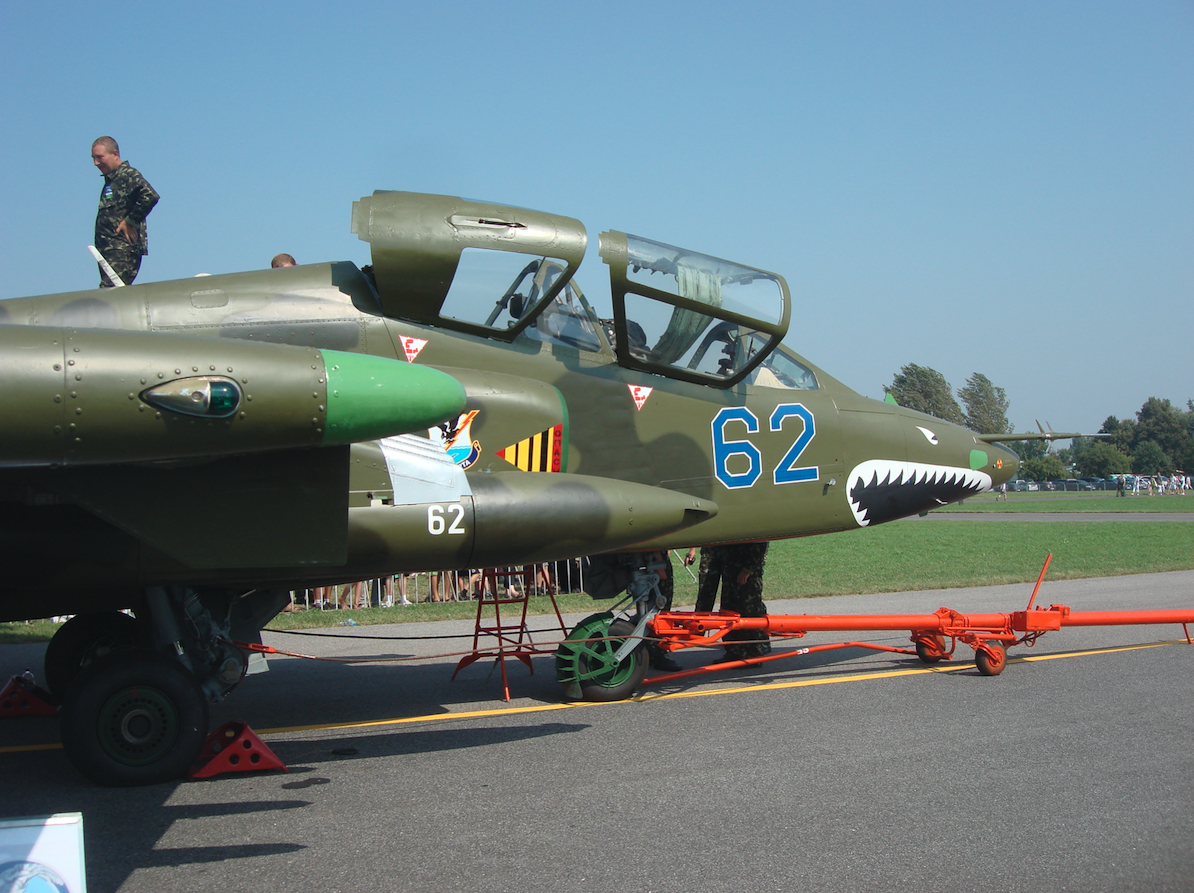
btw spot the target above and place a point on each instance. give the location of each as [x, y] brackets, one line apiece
[42, 854]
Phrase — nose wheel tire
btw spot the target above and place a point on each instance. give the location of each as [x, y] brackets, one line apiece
[134, 718]
[588, 669]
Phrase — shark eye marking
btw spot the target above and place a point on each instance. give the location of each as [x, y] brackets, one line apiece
[786, 471]
[882, 490]
[929, 435]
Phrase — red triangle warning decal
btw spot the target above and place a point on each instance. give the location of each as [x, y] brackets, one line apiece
[412, 346]
[640, 393]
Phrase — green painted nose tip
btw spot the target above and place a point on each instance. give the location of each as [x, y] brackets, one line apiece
[371, 397]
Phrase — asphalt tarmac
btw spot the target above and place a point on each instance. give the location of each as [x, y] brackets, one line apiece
[840, 771]
[1138, 517]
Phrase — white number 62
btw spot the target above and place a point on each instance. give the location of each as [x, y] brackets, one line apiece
[437, 524]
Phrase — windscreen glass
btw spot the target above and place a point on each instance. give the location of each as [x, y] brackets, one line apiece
[721, 284]
[780, 369]
[500, 289]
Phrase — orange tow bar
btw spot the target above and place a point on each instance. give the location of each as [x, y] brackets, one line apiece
[990, 635]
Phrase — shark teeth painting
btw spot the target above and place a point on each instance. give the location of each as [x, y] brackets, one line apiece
[883, 490]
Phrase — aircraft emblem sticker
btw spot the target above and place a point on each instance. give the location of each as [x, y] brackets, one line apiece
[640, 393]
[457, 439]
[542, 452]
[412, 346]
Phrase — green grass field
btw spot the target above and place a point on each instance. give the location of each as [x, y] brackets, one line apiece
[1097, 501]
[897, 557]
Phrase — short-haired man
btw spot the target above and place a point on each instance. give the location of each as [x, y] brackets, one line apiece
[125, 201]
[283, 260]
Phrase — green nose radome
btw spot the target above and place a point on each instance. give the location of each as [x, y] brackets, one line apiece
[371, 397]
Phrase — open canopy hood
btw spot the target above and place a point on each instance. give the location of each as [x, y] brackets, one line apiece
[494, 270]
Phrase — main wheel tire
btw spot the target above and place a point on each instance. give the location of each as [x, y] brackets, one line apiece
[931, 652]
[83, 639]
[601, 679]
[990, 665]
[134, 718]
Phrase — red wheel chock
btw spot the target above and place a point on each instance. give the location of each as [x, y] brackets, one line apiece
[22, 698]
[234, 747]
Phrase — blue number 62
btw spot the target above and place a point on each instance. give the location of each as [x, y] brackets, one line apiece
[786, 472]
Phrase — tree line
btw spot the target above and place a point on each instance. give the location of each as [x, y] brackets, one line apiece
[1160, 440]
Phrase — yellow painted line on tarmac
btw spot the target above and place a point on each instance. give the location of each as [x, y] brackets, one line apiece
[24, 748]
[431, 717]
[891, 674]
[643, 698]
[1031, 657]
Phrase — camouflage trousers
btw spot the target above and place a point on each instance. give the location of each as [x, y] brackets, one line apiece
[667, 585]
[723, 565]
[126, 264]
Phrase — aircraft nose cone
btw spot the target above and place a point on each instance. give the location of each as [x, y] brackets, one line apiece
[1000, 462]
[371, 397]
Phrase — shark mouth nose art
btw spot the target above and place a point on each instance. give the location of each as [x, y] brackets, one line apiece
[883, 490]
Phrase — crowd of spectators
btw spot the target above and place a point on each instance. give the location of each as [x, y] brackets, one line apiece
[441, 586]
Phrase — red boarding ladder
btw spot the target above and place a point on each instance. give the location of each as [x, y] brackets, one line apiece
[513, 639]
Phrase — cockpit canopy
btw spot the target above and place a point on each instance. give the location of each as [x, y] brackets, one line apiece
[688, 315]
[501, 272]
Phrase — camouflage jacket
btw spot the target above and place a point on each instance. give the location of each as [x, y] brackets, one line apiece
[125, 196]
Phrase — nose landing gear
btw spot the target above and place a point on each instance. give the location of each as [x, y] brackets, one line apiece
[588, 662]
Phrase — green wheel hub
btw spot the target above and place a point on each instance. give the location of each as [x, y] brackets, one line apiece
[586, 665]
[138, 725]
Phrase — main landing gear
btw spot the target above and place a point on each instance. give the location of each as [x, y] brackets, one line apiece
[134, 718]
[135, 690]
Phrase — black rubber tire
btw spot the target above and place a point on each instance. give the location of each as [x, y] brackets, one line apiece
[931, 653]
[989, 666]
[621, 681]
[83, 639]
[134, 718]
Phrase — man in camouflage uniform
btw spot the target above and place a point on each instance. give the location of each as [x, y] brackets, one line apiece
[739, 570]
[125, 201]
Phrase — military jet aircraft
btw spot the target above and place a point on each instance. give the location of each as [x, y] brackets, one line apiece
[191, 450]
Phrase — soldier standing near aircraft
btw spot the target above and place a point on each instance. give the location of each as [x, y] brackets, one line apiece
[708, 577]
[121, 235]
[739, 568]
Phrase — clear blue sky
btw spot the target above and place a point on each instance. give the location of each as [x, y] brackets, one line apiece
[977, 187]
